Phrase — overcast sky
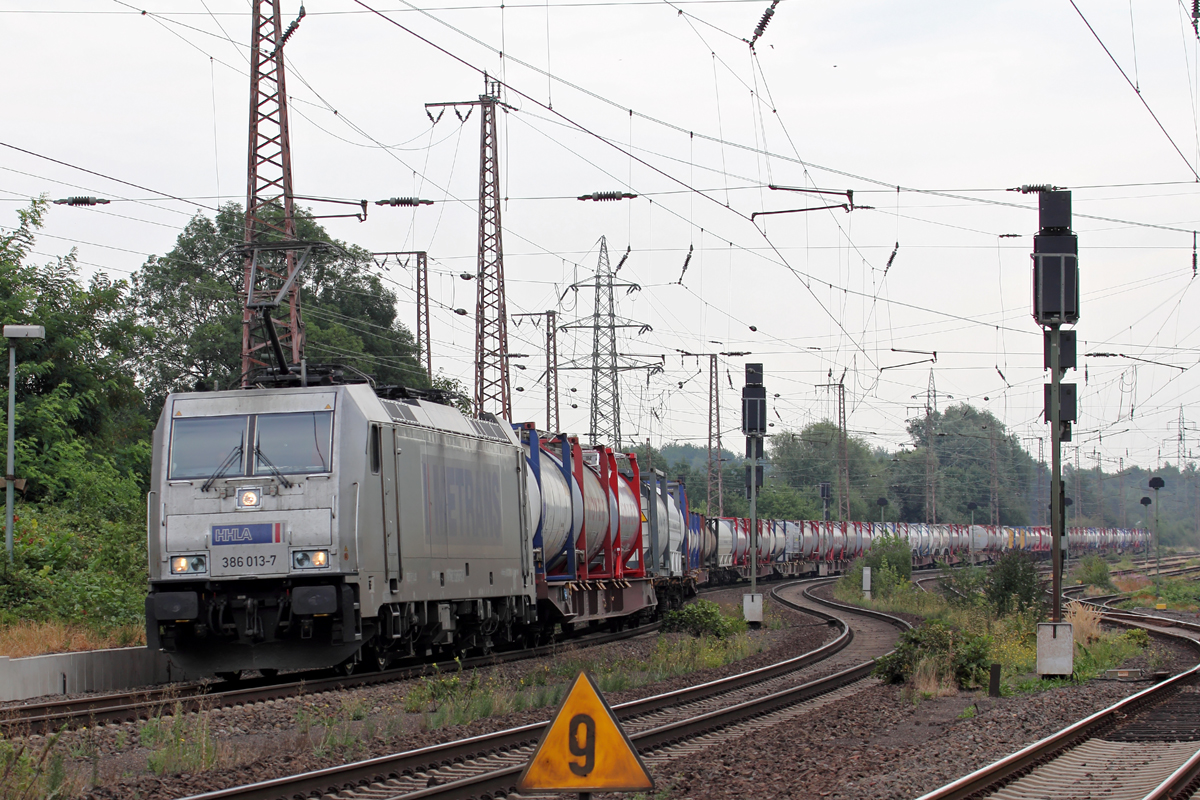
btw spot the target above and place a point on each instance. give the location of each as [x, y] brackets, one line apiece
[952, 102]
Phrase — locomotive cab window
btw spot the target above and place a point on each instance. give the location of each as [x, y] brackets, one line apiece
[205, 446]
[297, 442]
[375, 447]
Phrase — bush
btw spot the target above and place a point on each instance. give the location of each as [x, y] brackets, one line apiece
[703, 618]
[963, 586]
[1092, 570]
[890, 560]
[1013, 584]
[957, 655]
[1138, 637]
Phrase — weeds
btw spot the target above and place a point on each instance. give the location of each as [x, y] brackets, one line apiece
[182, 743]
[27, 771]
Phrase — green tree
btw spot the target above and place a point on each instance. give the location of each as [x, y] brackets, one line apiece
[191, 298]
[82, 441]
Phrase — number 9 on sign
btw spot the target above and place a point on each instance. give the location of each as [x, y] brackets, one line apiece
[582, 741]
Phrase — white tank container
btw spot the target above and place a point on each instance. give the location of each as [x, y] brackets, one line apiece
[839, 540]
[810, 537]
[727, 539]
[978, 536]
[595, 511]
[554, 506]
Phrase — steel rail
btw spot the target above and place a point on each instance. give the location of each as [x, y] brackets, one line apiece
[337, 779]
[1007, 769]
[47, 717]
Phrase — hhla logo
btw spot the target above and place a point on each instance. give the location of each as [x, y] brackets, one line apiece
[232, 535]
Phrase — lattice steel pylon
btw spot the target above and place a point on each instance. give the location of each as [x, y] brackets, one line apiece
[930, 455]
[604, 421]
[994, 499]
[715, 488]
[843, 480]
[269, 197]
[552, 420]
[553, 423]
[605, 362]
[492, 386]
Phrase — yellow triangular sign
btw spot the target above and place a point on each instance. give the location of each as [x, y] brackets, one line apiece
[584, 749]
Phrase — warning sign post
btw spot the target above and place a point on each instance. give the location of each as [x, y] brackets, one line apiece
[584, 749]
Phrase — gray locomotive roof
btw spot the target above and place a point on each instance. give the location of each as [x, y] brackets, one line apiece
[419, 413]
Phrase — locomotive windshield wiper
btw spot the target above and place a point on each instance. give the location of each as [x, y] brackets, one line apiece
[234, 455]
[274, 469]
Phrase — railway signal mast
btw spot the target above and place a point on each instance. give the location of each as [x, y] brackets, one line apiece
[1056, 303]
[754, 426]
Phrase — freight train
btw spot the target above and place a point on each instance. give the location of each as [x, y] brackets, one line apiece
[343, 526]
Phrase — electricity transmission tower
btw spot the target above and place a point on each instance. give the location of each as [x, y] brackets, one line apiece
[269, 200]
[606, 363]
[492, 387]
[1181, 447]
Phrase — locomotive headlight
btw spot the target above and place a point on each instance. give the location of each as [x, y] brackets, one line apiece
[185, 564]
[310, 559]
[249, 499]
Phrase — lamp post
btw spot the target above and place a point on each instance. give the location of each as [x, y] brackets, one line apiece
[882, 503]
[1157, 483]
[12, 333]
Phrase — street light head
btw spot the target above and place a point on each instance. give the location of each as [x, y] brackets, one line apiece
[24, 332]
[1145, 501]
[972, 506]
[1157, 483]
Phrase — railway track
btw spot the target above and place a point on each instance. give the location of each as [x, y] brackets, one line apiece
[49, 716]
[663, 727]
[1145, 747]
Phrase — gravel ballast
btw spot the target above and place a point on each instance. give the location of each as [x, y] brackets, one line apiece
[270, 740]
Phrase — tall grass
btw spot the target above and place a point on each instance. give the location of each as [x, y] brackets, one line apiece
[27, 638]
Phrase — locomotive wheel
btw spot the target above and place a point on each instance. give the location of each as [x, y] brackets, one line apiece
[377, 659]
[269, 673]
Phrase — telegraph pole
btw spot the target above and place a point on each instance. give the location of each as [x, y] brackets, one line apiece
[492, 388]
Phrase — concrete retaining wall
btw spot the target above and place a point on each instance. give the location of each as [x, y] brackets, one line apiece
[93, 671]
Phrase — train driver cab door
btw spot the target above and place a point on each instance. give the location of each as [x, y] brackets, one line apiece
[384, 447]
